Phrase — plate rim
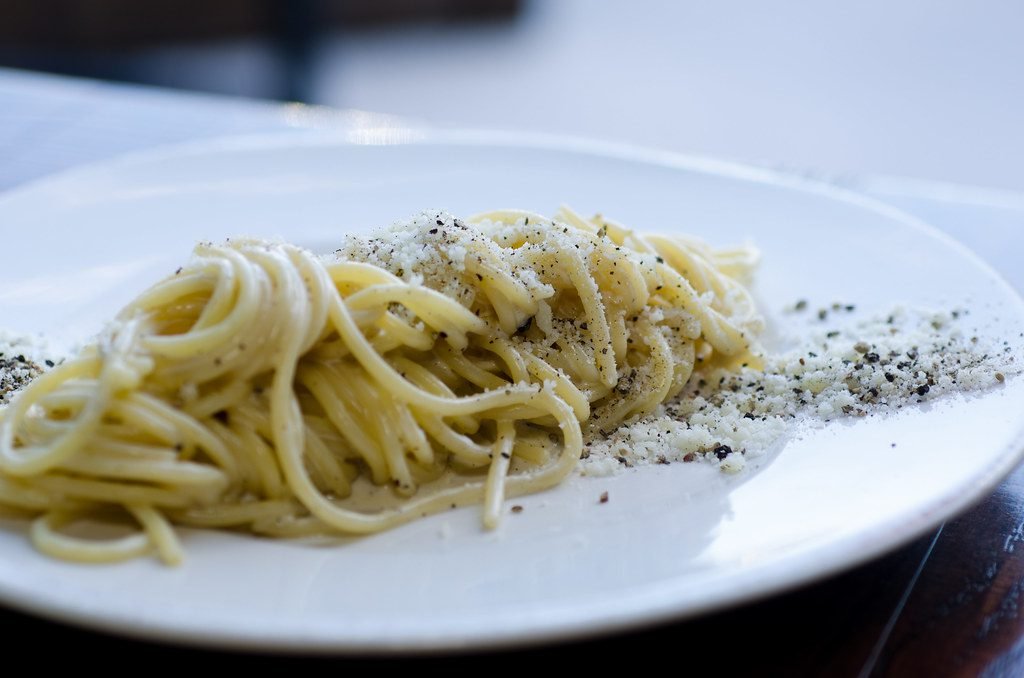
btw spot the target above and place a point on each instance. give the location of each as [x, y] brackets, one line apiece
[647, 604]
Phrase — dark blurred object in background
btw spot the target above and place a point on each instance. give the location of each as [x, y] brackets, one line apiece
[256, 48]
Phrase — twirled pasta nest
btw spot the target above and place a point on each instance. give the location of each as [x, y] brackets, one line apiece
[454, 361]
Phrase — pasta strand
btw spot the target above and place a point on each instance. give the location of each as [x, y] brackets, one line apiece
[446, 362]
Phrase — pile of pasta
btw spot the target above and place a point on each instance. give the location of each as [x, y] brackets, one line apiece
[449, 361]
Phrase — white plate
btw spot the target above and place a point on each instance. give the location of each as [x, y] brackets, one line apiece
[672, 541]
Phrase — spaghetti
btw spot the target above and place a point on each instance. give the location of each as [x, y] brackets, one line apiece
[261, 387]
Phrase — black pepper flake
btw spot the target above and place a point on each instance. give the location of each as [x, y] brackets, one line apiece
[516, 508]
[604, 498]
[722, 451]
[432, 231]
[922, 389]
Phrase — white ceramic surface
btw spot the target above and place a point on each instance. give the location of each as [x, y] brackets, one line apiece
[672, 542]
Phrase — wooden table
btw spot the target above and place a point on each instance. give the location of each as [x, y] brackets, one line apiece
[946, 604]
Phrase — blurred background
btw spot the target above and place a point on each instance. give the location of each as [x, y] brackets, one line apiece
[919, 88]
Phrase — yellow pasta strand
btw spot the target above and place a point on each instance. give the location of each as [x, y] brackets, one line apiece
[264, 388]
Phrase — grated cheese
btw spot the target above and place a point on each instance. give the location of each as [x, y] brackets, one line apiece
[22, 359]
[864, 368]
